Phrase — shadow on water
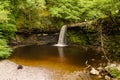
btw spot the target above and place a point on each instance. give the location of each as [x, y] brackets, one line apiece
[68, 58]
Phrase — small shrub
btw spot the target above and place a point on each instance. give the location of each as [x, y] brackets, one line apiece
[5, 51]
[113, 71]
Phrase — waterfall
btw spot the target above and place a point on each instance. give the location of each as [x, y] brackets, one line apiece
[62, 36]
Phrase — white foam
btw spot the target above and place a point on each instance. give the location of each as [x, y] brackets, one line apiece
[60, 45]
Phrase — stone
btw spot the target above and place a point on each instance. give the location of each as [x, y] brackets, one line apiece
[100, 68]
[19, 67]
[45, 34]
[94, 71]
[107, 77]
[100, 77]
[118, 67]
[113, 65]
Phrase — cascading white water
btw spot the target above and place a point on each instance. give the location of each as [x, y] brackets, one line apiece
[62, 37]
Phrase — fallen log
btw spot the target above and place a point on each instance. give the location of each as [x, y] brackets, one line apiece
[82, 24]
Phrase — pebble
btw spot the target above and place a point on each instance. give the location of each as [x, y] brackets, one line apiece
[107, 77]
[94, 71]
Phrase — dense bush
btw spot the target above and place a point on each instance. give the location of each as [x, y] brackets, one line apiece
[78, 10]
[7, 28]
[5, 51]
[113, 45]
[30, 14]
[7, 20]
[77, 38]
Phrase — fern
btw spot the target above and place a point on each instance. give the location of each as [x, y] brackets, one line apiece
[4, 50]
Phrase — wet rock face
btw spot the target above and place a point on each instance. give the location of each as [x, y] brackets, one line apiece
[34, 39]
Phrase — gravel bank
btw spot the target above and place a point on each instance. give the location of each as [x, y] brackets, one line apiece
[9, 71]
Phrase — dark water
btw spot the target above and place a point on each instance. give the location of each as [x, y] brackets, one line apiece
[65, 58]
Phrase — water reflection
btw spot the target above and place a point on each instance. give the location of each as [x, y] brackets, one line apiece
[69, 57]
[61, 53]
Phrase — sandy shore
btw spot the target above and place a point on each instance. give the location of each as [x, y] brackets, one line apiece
[9, 71]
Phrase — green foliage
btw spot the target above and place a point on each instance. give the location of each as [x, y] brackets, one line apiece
[4, 11]
[44, 14]
[113, 72]
[108, 7]
[4, 50]
[82, 38]
[78, 10]
[1, 36]
[7, 25]
[113, 45]
[7, 28]
[31, 14]
[75, 37]
[66, 9]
